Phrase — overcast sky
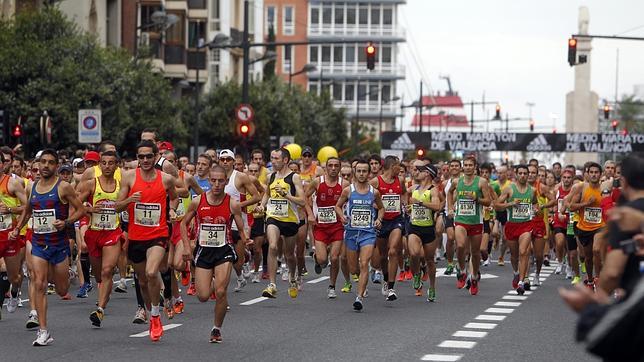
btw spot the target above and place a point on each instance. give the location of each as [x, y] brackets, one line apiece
[516, 51]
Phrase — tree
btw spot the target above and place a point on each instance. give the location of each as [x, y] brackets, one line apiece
[631, 113]
[47, 63]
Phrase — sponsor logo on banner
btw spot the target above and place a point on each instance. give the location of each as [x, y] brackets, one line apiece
[403, 143]
[539, 144]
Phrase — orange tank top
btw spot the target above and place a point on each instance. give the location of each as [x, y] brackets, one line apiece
[148, 217]
[590, 217]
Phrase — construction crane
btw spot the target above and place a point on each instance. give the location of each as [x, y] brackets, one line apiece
[450, 92]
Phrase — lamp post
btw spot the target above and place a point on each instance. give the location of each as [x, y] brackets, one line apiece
[159, 18]
[305, 69]
[383, 102]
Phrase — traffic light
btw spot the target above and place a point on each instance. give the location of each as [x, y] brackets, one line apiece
[532, 125]
[17, 131]
[606, 111]
[572, 51]
[420, 152]
[614, 125]
[497, 112]
[245, 129]
[371, 56]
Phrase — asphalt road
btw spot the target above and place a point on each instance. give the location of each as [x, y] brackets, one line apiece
[494, 325]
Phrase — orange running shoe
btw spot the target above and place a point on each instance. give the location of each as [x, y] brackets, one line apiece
[419, 292]
[401, 277]
[185, 276]
[192, 290]
[213, 296]
[409, 275]
[156, 329]
[178, 307]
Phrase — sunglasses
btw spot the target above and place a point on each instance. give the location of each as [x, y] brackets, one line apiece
[226, 159]
[145, 156]
[307, 155]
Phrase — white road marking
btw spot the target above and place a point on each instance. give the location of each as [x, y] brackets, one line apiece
[507, 304]
[147, 333]
[441, 357]
[457, 344]
[469, 334]
[21, 300]
[253, 301]
[315, 281]
[542, 279]
[499, 310]
[490, 317]
[515, 297]
[514, 292]
[480, 325]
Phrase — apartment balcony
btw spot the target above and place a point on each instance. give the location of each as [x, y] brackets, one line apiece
[382, 71]
[359, 32]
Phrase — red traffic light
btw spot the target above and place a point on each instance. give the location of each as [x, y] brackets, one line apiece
[497, 114]
[420, 152]
[17, 130]
[531, 125]
[245, 129]
[606, 111]
[572, 42]
[614, 125]
[572, 51]
[370, 50]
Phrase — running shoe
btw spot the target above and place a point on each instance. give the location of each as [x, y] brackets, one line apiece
[449, 270]
[409, 275]
[346, 288]
[255, 278]
[270, 291]
[265, 275]
[241, 283]
[589, 284]
[535, 281]
[299, 282]
[418, 292]
[156, 328]
[330, 293]
[293, 289]
[583, 267]
[425, 276]
[384, 289]
[559, 268]
[50, 289]
[431, 294]
[215, 335]
[417, 283]
[317, 268]
[546, 261]
[213, 295]
[185, 276]
[96, 317]
[355, 277]
[474, 288]
[515, 281]
[520, 288]
[192, 290]
[141, 316]
[377, 277]
[526, 284]
[357, 304]
[82, 291]
[12, 304]
[67, 297]
[168, 307]
[500, 262]
[32, 321]
[304, 271]
[460, 279]
[285, 274]
[121, 286]
[391, 295]
[43, 338]
[486, 262]
[401, 276]
[246, 270]
[178, 306]
[569, 273]
[575, 280]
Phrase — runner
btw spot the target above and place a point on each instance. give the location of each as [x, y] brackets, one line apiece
[564, 241]
[392, 189]
[103, 238]
[422, 239]
[520, 198]
[455, 171]
[145, 193]
[328, 231]
[281, 200]
[502, 215]
[49, 204]
[540, 218]
[214, 212]
[466, 199]
[360, 226]
[258, 230]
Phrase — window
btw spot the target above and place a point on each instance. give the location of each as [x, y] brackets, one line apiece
[286, 59]
[339, 15]
[363, 14]
[351, 15]
[386, 53]
[327, 12]
[362, 92]
[373, 92]
[214, 15]
[213, 75]
[196, 4]
[387, 16]
[386, 93]
[315, 16]
[146, 13]
[313, 88]
[289, 23]
[326, 54]
[175, 35]
[337, 54]
[196, 31]
[349, 92]
[350, 56]
[362, 54]
[337, 91]
[271, 18]
[313, 54]
[375, 15]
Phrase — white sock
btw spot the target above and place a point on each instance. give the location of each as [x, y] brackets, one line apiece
[178, 299]
[33, 312]
[154, 311]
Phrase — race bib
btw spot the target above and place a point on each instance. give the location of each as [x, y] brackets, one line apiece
[6, 222]
[593, 215]
[466, 207]
[147, 214]
[104, 219]
[326, 215]
[125, 216]
[391, 202]
[360, 218]
[522, 211]
[419, 213]
[44, 221]
[277, 208]
[181, 210]
[560, 205]
[212, 235]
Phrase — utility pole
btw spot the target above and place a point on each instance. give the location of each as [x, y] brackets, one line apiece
[245, 45]
[420, 108]
[472, 115]
[356, 120]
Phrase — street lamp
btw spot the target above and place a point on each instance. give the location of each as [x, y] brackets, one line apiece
[306, 69]
[159, 19]
[269, 55]
[383, 102]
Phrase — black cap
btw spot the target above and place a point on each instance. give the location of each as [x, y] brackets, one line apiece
[308, 150]
[433, 171]
[66, 167]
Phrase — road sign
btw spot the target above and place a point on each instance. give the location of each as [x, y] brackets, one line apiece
[89, 126]
[244, 113]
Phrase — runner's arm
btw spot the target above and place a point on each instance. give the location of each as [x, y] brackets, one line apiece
[187, 219]
[344, 196]
[17, 188]
[235, 209]
[192, 184]
[170, 186]
[450, 199]
[380, 207]
[486, 200]
[249, 185]
[69, 194]
[575, 198]
[299, 193]
[170, 169]
[123, 200]
[181, 187]
[310, 190]
[435, 204]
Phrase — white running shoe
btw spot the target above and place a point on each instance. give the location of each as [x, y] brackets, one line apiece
[246, 270]
[241, 283]
[12, 304]
[391, 295]
[569, 274]
[384, 289]
[255, 277]
[284, 273]
[535, 281]
[43, 338]
[486, 262]
[331, 293]
[559, 268]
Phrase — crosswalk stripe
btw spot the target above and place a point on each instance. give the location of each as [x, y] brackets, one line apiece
[457, 344]
[499, 310]
[515, 297]
[315, 281]
[253, 301]
[490, 317]
[507, 304]
[441, 357]
[480, 325]
[469, 334]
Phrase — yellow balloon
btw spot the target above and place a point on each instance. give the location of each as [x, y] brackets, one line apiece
[325, 153]
[295, 150]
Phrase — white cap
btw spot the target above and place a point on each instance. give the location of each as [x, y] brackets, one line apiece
[38, 154]
[226, 153]
[77, 161]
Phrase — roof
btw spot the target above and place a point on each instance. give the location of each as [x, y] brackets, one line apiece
[441, 120]
[452, 101]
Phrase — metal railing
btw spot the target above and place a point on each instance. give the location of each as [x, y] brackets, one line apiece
[357, 30]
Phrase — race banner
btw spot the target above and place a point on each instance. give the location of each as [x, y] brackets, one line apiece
[501, 141]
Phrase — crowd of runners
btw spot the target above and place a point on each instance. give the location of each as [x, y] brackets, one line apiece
[167, 222]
